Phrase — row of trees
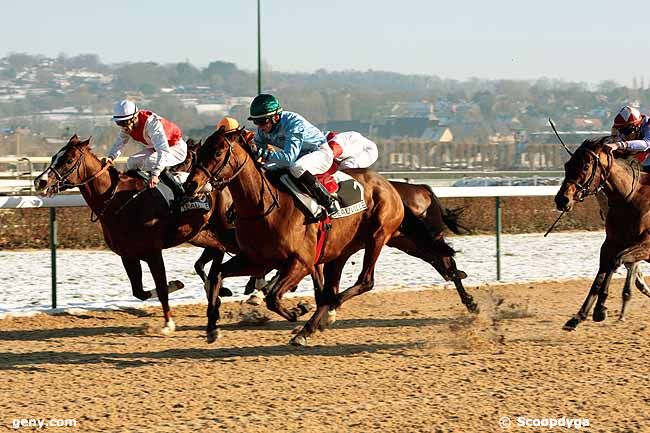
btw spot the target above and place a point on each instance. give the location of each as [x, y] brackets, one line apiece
[479, 103]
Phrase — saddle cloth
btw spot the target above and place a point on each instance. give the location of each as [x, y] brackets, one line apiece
[349, 193]
[200, 202]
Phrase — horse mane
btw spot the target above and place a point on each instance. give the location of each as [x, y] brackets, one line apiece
[596, 144]
[193, 145]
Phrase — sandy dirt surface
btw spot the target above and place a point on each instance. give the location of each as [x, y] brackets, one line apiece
[394, 361]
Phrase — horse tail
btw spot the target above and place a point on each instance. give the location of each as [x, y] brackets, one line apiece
[451, 218]
[418, 231]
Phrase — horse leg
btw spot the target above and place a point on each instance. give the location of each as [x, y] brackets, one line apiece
[157, 268]
[289, 277]
[600, 311]
[465, 297]
[631, 257]
[602, 277]
[639, 282]
[366, 280]
[199, 266]
[627, 288]
[216, 256]
[236, 266]
[134, 271]
[325, 301]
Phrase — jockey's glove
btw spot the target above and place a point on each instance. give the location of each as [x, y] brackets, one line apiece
[262, 152]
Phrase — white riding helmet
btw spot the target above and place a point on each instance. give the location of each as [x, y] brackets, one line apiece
[124, 110]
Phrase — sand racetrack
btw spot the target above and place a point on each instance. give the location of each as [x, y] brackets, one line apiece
[394, 361]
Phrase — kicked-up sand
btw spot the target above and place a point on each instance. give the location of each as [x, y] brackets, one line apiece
[394, 361]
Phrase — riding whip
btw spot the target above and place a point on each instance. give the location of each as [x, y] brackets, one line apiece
[558, 136]
[553, 225]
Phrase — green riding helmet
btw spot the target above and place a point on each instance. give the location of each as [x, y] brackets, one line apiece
[264, 106]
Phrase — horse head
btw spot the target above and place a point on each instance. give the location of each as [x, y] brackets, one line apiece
[64, 171]
[586, 172]
[219, 160]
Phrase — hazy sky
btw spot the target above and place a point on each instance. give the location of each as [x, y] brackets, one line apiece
[452, 39]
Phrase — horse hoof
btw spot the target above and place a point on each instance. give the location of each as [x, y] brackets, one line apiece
[298, 340]
[213, 336]
[304, 307]
[473, 308]
[250, 287]
[254, 300]
[622, 319]
[225, 292]
[174, 285]
[168, 328]
[461, 274]
[571, 324]
[599, 315]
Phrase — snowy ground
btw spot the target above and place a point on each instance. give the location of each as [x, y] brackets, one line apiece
[96, 279]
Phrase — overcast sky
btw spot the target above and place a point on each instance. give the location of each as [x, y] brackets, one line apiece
[522, 39]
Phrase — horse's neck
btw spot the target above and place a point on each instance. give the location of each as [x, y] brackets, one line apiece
[252, 195]
[621, 183]
[95, 191]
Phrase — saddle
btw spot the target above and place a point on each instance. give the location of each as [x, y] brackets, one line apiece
[343, 187]
[201, 202]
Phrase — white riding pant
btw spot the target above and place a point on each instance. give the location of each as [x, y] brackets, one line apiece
[147, 158]
[316, 162]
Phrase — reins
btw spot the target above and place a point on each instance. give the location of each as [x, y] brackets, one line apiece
[219, 183]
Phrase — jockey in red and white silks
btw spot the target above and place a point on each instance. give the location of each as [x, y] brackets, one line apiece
[633, 130]
[163, 140]
[351, 149]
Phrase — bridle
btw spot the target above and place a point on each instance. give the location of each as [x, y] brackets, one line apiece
[62, 183]
[213, 177]
[237, 168]
[583, 190]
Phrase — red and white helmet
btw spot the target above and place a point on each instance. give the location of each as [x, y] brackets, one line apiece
[628, 116]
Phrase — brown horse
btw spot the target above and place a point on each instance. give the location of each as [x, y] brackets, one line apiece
[634, 274]
[135, 220]
[273, 234]
[422, 238]
[593, 168]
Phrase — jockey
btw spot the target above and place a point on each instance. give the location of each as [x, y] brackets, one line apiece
[163, 141]
[302, 148]
[633, 130]
[351, 149]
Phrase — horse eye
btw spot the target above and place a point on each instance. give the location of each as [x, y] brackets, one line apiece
[69, 161]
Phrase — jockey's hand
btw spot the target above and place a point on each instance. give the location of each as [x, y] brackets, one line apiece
[262, 153]
[106, 160]
[611, 147]
[153, 181]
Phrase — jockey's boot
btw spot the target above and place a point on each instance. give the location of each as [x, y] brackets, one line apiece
[318, 191]
[176, 188]
[174, 205]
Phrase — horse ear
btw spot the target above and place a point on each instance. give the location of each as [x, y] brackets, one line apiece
[87, 141]
[74, 138]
